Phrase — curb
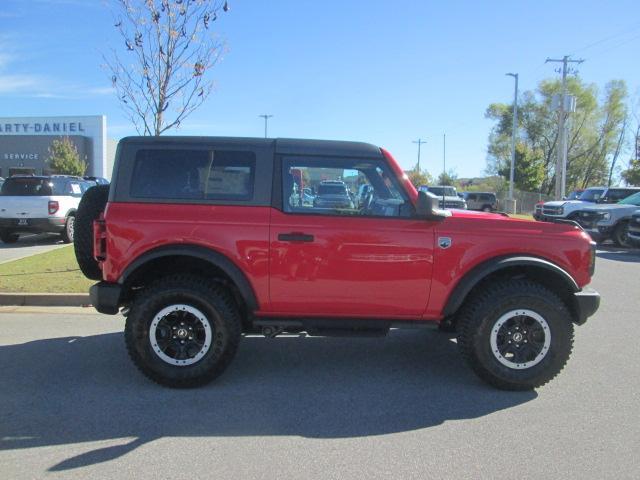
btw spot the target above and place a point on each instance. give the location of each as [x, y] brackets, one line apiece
[45, 299]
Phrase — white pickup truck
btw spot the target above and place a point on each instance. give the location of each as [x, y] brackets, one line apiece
[39, 204]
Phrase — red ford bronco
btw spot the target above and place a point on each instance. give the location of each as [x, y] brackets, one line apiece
[201, 239]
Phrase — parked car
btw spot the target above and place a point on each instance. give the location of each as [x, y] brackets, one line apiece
[484, 201]
[97, 180]
[39, 204]
[566, 209]
[512, 289]
[333, 194]
[1, 181]
[633, 231]
[448, 196]
[609, 221]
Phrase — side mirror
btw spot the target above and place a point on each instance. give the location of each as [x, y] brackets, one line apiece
[424, 207]
[427, 207]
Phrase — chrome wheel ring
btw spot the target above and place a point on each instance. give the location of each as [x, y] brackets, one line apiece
[520, 339]
[180, 335]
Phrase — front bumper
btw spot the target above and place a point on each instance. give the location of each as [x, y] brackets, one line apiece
[587, 303]
[105, 297]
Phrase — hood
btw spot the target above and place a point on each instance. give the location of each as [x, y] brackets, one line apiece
[560, 203]
[450, 198]
[501, 222]
[609, 206]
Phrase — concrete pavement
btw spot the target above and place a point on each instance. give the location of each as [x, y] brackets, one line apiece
[73, 406]
[27, 245]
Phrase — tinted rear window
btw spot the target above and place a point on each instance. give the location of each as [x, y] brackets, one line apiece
[26, 187]
[193, 174]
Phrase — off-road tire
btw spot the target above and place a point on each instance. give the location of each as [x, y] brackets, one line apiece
[91, 206]
[8, 237]
[620, 236]
[213, 300]
[67, 234]
[479, 315]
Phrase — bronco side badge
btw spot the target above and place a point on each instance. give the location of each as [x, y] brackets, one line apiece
[444, 242]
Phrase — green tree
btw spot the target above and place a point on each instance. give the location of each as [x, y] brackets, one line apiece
[632, 174]
[419, 177]
[596, 132]
[64, 158]
[447, 178]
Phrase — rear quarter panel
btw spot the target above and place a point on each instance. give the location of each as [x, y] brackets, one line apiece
[237, 232]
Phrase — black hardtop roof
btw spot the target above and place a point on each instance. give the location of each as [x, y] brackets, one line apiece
[287, 146]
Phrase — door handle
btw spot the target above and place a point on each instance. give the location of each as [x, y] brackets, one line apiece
[295, 237]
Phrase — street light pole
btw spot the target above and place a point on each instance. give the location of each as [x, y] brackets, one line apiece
[513, 135]
[266, 119]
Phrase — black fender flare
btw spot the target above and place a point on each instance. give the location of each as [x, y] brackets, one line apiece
[479, 272]
[210, 256]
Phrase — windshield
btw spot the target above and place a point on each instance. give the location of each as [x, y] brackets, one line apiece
[324, 189]
[446, 191]
[632, 200]
[26, 187]
[574, 195]
[591, 195]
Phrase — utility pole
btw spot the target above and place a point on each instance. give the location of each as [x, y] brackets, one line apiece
[266, 119]
[561, 162]
[420, 142]
[444, 165]
[513, 135]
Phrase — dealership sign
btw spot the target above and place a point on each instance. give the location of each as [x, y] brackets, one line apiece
[43, 127]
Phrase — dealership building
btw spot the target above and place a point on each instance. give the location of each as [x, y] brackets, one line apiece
[25, 143]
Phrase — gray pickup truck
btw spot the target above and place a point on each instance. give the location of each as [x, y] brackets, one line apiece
[609, 221]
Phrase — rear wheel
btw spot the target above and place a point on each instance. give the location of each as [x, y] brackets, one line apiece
[486, 208]
[9, 237]
[515, 335]
[620, 235]
[91, 206]
[67, 233]
[183, 331]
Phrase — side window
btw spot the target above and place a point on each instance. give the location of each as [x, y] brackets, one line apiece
[74, 189]
[333, 186]
[193, 174]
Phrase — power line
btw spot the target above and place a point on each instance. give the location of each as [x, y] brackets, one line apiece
[607, 38]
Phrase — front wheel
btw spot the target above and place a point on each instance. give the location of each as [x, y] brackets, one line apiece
[515, 335]
[620, 235]
[183, 331]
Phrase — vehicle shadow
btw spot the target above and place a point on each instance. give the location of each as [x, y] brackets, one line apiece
[33, 240]
[619, 254]
[63, 391]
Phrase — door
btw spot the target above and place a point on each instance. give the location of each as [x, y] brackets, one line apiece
[338, 255]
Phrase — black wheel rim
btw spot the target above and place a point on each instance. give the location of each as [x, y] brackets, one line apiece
[520, 339]
[180, 335]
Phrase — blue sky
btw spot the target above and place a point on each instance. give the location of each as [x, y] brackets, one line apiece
[385, 72]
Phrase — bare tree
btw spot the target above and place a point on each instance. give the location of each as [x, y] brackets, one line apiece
[169, 51]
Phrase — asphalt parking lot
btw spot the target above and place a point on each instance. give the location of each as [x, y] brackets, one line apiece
[73, 406]
[29, 244]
